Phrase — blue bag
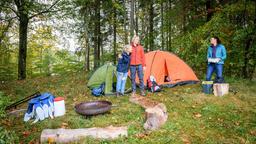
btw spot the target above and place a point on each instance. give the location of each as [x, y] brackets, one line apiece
[98, 91]
[40, 107]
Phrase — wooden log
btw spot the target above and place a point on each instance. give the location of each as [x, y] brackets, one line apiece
[156, 113]
[73, 135]
[220, 89]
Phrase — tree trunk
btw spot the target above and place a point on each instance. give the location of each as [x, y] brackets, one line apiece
[220, 89]
[95, 50]
[248, 43]
[253, 43]
[88, 57]
[169, 27]
[41, 58]
[136, 17]
[209, 10]
[246, 58]
[23, 30]
[97, 34]
[151, 26]
[162, 25]
[184, 22]
[114, 43]
[132, 20]
[24, 6]
[156, 113]
[125, 24]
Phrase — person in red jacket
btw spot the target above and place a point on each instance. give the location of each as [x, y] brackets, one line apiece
[137, 64]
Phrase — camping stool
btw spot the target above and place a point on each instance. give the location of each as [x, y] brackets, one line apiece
[207, 87]
[220, 89]
[59, 106]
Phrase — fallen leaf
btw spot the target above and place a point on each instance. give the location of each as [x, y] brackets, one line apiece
[197, 115]
[7, 122]
[64, 125]
[51, 140]
[33, 141]
[26, 133]
[185, 139]
[141, 135]
[175, 114]
[219, 119]
[253, 132]
[237, 123]
[242, 140]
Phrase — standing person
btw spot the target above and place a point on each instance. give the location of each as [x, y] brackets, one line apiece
[216, 51]
[122, 69]
[137, 64]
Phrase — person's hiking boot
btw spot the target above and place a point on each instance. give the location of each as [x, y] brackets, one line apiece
[117, 94]
[133, 93]
[121, 94]
[142, 93]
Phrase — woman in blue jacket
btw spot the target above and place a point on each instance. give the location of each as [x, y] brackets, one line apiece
[216, 56]
[122, 69]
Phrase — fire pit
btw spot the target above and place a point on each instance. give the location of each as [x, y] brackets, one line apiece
[93, 108]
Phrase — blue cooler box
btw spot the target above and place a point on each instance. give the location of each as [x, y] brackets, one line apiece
[207, 87]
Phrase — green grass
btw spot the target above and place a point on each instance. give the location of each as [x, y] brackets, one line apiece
[228, 119]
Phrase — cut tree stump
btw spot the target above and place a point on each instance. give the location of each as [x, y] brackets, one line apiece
[220, 89]
[73, 135]
[156, 113]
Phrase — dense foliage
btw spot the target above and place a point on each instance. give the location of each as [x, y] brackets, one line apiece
[102, 28]
[235, 25]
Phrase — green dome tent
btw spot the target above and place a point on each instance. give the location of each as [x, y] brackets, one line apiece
[107, 74]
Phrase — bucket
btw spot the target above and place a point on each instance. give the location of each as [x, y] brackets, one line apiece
[207, 87]
[59, 106]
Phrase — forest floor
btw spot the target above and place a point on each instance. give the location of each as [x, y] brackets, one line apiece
[193, 117]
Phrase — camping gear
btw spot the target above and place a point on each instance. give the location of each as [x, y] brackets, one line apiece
[152, 85]
[40, 107]
[93, 108]
[106, 74]
[163, 64]
[207, 87]
[14, 105]
[98, 91]
[220, 89]
[59, 106]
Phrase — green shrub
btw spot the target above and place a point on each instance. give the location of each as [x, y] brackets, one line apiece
[6, 137]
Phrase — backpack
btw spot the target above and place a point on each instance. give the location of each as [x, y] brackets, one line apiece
[40, 107]
[152, 85]
[98, 91]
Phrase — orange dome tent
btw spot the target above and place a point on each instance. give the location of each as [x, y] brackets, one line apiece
[168, 69]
